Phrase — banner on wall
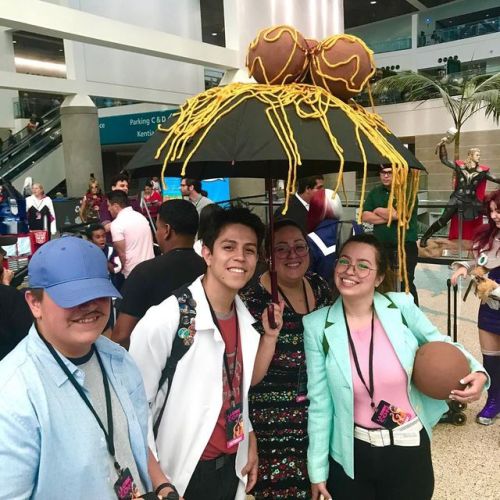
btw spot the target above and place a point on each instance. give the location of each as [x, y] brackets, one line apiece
[217, 189]
[127, 129]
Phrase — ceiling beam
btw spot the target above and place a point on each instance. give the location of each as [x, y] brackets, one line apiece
[71, 24]
[418, 5]
[50, 85]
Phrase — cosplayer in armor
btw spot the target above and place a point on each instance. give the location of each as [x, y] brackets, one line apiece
[470, 185]
[486, 249]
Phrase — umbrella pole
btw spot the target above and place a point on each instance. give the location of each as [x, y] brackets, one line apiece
[272, 267]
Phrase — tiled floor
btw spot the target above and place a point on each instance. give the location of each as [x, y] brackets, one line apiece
[467, 458]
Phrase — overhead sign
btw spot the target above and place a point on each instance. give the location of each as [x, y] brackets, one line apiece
[126, 129]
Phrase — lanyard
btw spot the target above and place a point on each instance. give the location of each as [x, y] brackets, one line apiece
[285, 298]
[109, 411]
[369, 389]
[230, 377]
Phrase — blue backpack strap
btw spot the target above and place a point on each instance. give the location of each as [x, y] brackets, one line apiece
[183, 340]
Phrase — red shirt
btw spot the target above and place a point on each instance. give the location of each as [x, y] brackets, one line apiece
[153, 203]
[217, 443]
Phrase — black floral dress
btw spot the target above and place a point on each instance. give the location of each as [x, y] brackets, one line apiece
[278, 408]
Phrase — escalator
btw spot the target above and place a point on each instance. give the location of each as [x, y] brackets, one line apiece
[35, 154]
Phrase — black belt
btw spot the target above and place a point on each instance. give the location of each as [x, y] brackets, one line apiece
[216, 463]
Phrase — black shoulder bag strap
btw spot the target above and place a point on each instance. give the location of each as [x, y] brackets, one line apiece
[183, 340]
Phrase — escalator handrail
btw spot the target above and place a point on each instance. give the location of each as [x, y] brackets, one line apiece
[22, 137]
[11, 166]
[25, 142]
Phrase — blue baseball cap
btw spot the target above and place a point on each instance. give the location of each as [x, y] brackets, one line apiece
[72, 271]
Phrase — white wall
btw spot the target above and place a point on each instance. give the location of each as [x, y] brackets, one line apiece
[412, 119]
[7, 97]
[104, 65]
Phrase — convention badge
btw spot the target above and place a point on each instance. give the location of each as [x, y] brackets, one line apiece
[390, 416]
[124, 486]
[185, 321]
[191, 303]
[234, 425]
[301, 394]
[182, 299]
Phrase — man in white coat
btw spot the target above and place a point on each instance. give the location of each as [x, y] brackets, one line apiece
[204, 441]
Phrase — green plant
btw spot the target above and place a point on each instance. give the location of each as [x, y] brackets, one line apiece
[463, 95]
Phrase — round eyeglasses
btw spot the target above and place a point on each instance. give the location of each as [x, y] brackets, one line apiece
[360, 268]
[282, 251]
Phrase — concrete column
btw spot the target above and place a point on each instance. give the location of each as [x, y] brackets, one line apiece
[81, 144]
[7, 97]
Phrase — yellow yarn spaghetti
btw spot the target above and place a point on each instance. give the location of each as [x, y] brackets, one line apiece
[200, 113]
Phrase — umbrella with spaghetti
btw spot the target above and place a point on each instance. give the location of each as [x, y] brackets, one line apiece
[286, 130]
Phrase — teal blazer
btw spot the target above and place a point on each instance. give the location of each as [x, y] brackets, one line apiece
[331, 412]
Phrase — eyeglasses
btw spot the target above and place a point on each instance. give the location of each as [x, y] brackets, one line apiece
[284, 250]
[386, 174]
[360, 268]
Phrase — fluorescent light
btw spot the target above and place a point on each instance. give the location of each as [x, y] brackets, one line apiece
[373, 2]
[215, 33]
[35, 64]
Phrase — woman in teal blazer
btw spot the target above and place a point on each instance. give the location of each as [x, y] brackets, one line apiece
[354, 462]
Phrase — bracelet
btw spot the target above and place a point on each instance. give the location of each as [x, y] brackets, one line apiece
[165, 485]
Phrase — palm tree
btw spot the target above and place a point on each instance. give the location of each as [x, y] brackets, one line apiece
[463, 96]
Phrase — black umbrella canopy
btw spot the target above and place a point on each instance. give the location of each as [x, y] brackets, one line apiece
[243, 143]
[280, 132]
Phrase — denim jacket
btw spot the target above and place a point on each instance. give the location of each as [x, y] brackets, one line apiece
[51, 446]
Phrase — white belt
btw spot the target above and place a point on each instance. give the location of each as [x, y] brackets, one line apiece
[406, 435]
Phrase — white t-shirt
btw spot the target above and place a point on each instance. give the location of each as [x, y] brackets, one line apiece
[133, 227]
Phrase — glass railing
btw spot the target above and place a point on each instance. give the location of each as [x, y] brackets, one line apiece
[468, 30]
[391, 45]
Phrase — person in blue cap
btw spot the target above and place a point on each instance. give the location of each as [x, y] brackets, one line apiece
[73, 411]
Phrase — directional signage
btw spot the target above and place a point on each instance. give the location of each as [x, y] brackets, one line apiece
[126, 129]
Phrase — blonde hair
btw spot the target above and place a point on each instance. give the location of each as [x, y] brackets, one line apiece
[469, 163]
[40, 185]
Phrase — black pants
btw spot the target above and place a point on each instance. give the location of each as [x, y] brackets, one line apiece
[385, 473]
[213, 480]
[411, 251]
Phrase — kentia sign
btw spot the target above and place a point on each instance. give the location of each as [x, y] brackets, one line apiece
[127, 129]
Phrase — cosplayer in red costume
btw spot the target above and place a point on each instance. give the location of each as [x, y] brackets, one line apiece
[470, 185]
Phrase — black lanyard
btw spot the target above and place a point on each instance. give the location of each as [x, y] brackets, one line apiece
[230, 377]
[285, 298]
[370, 389]
[109, 410]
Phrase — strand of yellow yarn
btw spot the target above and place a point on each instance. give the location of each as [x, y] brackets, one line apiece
[200, 113]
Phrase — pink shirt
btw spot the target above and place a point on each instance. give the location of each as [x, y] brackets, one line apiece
[133, 227]
[389, 377]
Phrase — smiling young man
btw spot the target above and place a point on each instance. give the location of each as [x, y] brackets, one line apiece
[200, 440]
[73, 412]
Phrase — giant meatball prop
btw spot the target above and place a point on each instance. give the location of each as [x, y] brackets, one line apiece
[277, 56]
[342, 64]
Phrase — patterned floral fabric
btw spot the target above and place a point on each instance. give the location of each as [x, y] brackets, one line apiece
[278, 419]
